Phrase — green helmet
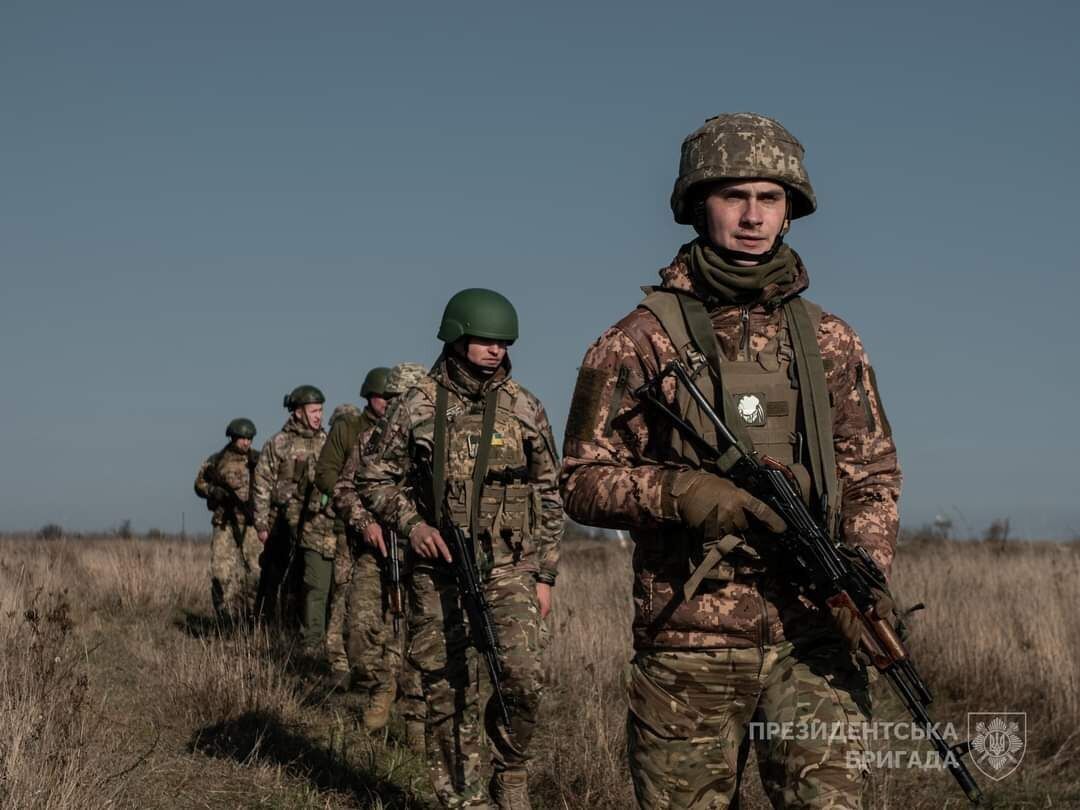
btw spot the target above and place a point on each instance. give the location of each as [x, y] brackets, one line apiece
[375, 382]
[304, 395]
[404, 376]
[479, 313]
[744, 146]
[240, 429]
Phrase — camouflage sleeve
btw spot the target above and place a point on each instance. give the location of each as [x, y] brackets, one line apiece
[868, 468]
[606, 478]
[266, 471]
[347, 502]
[384, 460]
[544, 475]
[202, 486]
[333, 456]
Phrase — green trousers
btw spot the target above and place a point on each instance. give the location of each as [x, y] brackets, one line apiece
[318, 579]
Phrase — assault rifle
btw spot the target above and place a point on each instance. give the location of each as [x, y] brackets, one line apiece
[481, 620]
[392, 570]
[827, 571]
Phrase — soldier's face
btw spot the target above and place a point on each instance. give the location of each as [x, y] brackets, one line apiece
[483, 352]
[378, 405]
[746, 216]
[243, 445]
[311, 415]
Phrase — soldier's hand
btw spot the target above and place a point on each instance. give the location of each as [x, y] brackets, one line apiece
[850, 625]
[373, 536]
[702, 499]
[264, 535]
[543, 596]
[428, 543]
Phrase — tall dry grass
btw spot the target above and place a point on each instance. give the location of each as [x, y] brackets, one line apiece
[1000, 633]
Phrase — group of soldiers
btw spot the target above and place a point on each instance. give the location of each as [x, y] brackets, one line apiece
[722, 637]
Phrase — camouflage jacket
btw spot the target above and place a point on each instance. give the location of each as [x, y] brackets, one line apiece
[347, 502]
[521, 519]
[285, 485]
[225, 481]
[610, 477]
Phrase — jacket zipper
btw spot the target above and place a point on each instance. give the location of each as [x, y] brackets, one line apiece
[744, 343]
[860, 386]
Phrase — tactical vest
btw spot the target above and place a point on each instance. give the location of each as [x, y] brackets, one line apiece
[776, 402]
[295, 489]
[233, 471]
[480, 475]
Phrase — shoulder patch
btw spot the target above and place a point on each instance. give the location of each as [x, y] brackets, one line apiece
[585, 405]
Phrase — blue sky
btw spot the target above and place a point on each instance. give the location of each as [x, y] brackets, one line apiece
[205, 204]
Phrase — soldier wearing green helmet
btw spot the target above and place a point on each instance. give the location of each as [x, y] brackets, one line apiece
[719, 618]
[288, 503]
[346, 424]
[376, 633]
[225, 481]
[469, 447]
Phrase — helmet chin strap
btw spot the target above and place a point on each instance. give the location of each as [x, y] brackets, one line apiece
[731, 256]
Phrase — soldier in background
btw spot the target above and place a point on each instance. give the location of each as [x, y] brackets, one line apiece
[287, 502]
[346, 424]
[225, 482]
[378, 638]
[468, 446]
[743, 644]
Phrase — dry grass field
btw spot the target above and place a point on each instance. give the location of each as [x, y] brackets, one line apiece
[118, 691]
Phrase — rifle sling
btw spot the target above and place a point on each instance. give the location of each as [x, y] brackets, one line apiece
[483, 453]
[438, 462]
[814, 402]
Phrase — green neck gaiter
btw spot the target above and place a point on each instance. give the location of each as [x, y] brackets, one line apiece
[739, 285]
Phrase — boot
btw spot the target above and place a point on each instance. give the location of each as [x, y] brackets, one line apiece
[338, 680]
[510, 790]
[377, 713]
[414, 736]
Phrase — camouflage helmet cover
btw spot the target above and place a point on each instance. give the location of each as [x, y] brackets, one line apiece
[347, 409]
[303, 395]
[746, 146]
[477, 312]
[404, 376]
[375, 382]
[240, 429]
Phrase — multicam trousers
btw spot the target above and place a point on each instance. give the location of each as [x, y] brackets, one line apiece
[450, 673]
[693, 715]
[234, 570]
[359, 610]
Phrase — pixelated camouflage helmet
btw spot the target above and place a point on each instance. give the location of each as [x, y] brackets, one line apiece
[240, 429]
[375, 382]
[404, 376]
[479, 313]
[304, 395]
[741, 146]
[347, 409]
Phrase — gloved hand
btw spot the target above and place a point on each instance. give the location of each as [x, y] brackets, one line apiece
[698, 495]
[849, 624]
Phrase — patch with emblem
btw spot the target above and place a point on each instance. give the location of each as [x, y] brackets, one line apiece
[496, 439]
[751, 408]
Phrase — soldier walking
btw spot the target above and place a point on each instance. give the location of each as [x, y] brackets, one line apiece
[469, 447]
[376, 620]
[346, 424]
[225, 481]
[722, 637]
[287, 501]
